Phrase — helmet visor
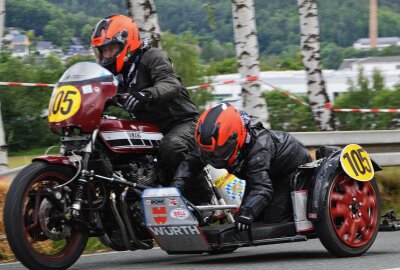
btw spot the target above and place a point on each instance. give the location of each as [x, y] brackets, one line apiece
[106, 54]
[219, 157]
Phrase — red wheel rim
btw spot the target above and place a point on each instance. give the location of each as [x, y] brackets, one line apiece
[47, 249]
[353, 209]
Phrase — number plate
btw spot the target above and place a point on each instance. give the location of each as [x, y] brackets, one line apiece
[357, 163]
[64, 103]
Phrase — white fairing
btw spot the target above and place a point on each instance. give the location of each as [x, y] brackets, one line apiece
[230, 187]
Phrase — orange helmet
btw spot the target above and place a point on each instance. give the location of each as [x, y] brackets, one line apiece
[120, 30]
[220, 134]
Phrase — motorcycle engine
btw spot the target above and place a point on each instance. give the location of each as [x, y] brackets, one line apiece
[143, 171]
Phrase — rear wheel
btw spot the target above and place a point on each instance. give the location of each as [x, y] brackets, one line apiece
[37, 235]
[351, 216]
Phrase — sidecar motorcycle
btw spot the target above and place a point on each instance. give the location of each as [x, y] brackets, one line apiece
[103, 183]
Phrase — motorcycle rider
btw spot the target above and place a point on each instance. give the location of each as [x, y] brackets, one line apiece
[265, 159]
[153, 92]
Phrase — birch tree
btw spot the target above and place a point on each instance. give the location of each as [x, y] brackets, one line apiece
[246, 45]
[145, 14]
[310, 52]
[3, 149]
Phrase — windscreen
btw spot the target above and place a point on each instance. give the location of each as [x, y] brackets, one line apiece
[86, 72]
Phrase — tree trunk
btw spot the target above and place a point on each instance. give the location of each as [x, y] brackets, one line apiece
[310, 52]
[3, 149]
[2, 18]
[145, 14]
[246, 45]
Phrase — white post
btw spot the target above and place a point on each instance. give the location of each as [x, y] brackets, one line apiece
[145, 15]
[3, 148]
[2, 17]
[310, 52]
[246, 44]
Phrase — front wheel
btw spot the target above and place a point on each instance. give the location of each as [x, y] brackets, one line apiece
[37, 235]
[351, 216]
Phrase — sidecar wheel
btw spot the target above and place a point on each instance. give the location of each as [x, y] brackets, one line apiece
[37, 239]
[351, 216]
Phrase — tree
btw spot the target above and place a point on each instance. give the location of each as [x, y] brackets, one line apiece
[145, 14]
[246, 44]
[310, 50]
[3, 149]
[285, 114]
[183, 50]
[363, 94]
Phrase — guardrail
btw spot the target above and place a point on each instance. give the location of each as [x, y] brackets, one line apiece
[382, 145]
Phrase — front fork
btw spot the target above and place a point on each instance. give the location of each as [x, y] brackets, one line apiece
[84, 178]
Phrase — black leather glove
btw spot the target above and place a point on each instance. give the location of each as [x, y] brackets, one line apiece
[136, 100]
[243, 220]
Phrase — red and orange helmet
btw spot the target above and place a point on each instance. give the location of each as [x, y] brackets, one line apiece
[120, 30]
[220, 134]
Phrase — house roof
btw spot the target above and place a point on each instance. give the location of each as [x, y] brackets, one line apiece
[19, 48]
[381, 40]
[381, 59]
[19, 38]
[347, 63]
[44, 45]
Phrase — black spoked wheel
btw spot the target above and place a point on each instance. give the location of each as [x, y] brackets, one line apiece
[37, 235]
[351, 217]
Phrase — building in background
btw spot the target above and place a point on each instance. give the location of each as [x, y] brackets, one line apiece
[44, 48]
[382, 43]
[20, 50]
[19, 39]
[294, 81]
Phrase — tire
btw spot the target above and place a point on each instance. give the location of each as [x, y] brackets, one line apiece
[28, 240]
[351, 216]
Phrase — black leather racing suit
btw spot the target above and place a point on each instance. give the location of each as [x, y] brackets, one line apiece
[172, 110]
[267, 163]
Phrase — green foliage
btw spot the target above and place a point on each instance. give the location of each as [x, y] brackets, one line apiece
[184, 51]
[226, 66]
[286, 114]
[23, 107]
[368, 95]
[341, 24]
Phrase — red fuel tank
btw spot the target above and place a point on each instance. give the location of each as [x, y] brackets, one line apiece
[130, 136]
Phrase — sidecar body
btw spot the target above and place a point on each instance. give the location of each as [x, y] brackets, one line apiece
[336, 202]
[172, 224]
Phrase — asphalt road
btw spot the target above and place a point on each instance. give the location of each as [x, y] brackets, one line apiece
[384, 254]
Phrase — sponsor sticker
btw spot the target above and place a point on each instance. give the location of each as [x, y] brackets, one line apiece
[175, 230]
[179, 213]
[87, 89]
[155, 202]
[159, 214]
[173, 202]
[235, 188]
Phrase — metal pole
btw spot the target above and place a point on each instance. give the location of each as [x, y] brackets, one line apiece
[2, 17]
[3, 148]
